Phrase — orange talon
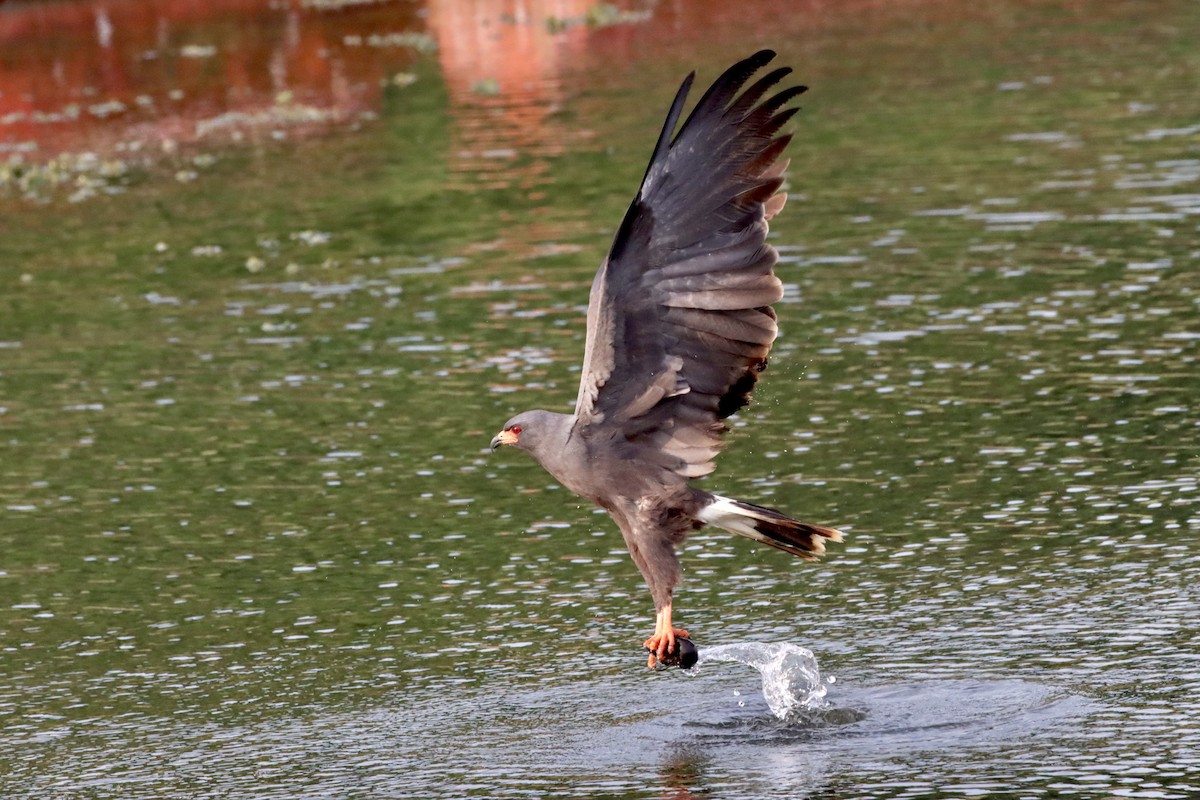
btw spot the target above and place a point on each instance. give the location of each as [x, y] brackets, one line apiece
[663, 640]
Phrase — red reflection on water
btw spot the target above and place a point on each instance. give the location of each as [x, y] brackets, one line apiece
[94, 75]
[503, 63]
[113, 76]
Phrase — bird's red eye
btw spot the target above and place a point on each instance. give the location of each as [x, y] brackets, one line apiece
[516, 429]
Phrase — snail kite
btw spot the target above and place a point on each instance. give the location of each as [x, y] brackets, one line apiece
[679, 326]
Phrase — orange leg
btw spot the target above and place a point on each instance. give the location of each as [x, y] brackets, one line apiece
[663, 640]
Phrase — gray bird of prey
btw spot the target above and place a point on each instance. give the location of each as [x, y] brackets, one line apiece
[679, 326]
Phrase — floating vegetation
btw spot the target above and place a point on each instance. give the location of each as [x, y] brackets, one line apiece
[282, 114]
[601, 15]
[311, 238]
[197, 51]
[421, 42]
[488, 87]
[107, 109]
[335, 5]
[82, 175]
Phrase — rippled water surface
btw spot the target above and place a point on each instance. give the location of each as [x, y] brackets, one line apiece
[252, 544]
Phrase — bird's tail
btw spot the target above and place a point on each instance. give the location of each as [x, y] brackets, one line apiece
[768, 526]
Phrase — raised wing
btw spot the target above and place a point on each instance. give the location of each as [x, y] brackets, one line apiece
[679, 320]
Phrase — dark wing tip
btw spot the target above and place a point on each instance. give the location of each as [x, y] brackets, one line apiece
[761, 58]
[731, 80]
[664, 136]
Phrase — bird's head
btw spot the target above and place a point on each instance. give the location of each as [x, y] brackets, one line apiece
[528, 431]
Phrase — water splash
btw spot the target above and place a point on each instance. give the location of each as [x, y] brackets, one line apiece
[791, 678]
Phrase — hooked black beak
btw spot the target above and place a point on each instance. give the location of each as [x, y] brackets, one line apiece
[503, 437]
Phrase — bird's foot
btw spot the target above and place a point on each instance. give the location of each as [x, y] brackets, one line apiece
[662, 646]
